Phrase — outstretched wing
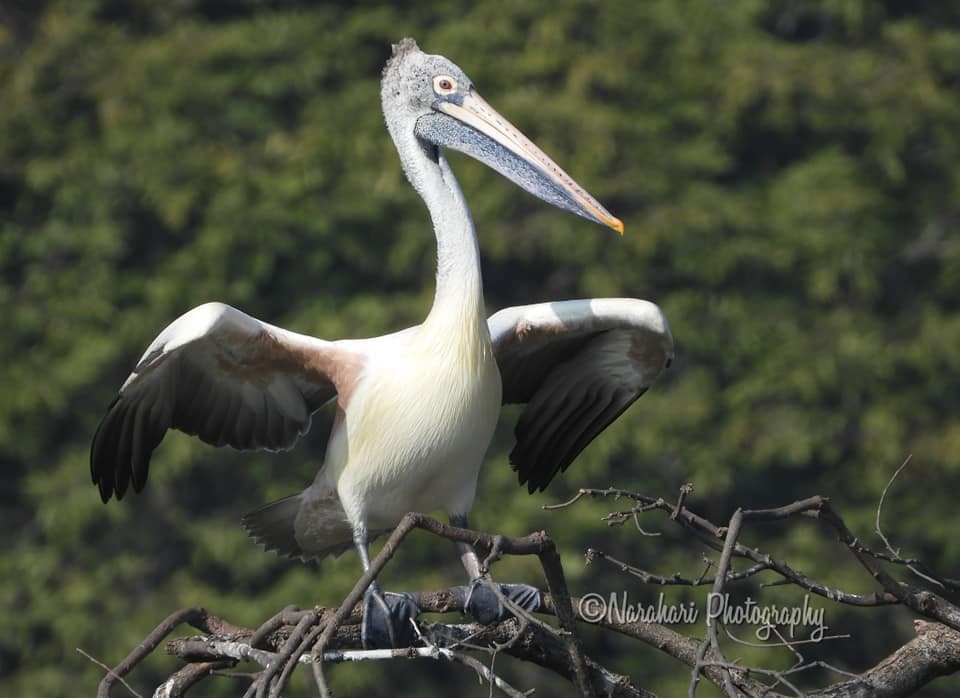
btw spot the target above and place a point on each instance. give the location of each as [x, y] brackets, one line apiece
[224, 376]
[577, 365]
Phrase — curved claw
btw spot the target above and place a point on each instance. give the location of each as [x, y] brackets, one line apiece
[387, 619]
[485, 606]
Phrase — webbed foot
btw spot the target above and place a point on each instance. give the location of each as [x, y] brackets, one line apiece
[387, 618]
[481, 602]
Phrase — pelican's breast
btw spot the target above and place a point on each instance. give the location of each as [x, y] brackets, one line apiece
[417, 426]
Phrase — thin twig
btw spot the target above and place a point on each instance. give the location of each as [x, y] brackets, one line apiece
[675, 579]
[287, 657]
[199, 618]
[109, 671]
[709, 534]
[910, 564]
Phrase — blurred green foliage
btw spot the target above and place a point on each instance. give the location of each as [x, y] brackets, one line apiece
[789, 175]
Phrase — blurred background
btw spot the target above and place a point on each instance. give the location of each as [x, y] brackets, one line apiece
[789, 177]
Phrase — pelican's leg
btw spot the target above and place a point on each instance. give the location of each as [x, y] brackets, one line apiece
[387, 617]
[480, 601]
[468, 556]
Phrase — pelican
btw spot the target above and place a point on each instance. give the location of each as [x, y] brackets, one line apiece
[416, 409]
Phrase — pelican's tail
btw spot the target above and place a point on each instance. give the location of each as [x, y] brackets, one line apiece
[327, 531]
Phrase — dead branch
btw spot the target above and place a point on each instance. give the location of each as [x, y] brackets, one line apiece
[711, 534]
[178, 684]
[329, 635]
[196, 617]
[213, 649]
[534, 645]
[934, 652]
[317, 629]
[538, 544]
[706, 657]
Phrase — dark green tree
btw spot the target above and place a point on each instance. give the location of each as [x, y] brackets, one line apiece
[787, 172]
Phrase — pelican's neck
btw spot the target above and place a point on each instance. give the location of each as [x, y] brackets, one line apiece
[459, 294]
[459, 279]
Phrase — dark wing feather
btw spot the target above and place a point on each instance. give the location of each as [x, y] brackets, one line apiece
[577, 365]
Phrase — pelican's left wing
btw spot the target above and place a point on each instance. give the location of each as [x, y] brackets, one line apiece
[577, 365]
[224, 376]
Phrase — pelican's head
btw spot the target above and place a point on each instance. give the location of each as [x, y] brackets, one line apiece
[433, 97]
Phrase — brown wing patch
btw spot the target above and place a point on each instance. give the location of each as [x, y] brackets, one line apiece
[257, 358]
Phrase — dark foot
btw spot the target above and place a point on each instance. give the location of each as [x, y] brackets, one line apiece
[481, 602]
[387, 619]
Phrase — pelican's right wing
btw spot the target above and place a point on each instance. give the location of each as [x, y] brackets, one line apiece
[224, 376]
[577, 365]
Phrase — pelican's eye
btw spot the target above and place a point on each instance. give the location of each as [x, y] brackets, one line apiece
[444, 85]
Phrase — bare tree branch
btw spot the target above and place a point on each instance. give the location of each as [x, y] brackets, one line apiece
[708, 652]
[178, 684]
[109, 671]
[284, 641]
[197, 617]
[538, 544]
[934, 652]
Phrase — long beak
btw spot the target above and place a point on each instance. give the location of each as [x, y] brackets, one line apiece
[497, 143]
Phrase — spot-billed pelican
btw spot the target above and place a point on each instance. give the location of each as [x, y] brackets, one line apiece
[415, 410]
